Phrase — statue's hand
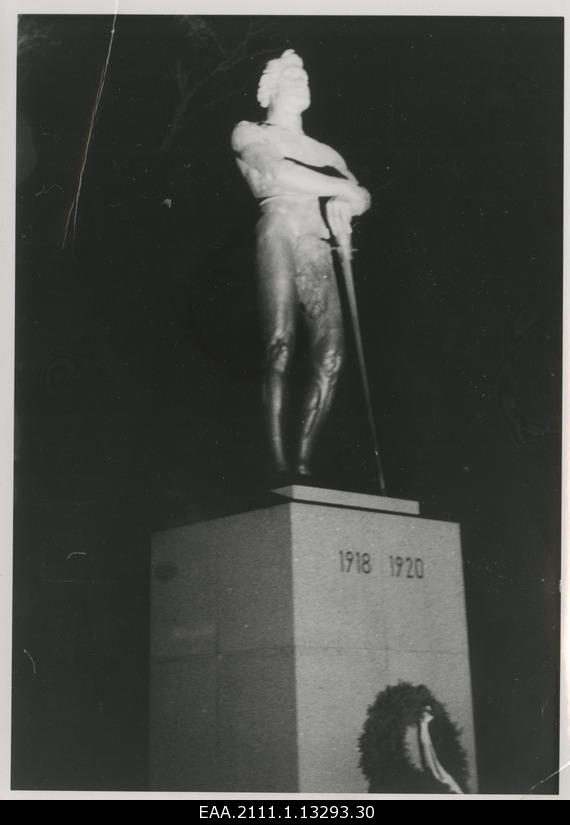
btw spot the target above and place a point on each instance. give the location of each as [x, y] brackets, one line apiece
[339, 216]
[357, 196]
[360, 200]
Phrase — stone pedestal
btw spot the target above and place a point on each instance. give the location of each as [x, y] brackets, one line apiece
[274, 630]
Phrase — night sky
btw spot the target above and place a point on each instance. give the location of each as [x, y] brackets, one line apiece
[138, 357]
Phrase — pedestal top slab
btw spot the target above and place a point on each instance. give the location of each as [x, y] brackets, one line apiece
[339, 498]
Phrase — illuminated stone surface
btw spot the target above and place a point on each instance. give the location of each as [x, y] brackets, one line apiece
[274, 630]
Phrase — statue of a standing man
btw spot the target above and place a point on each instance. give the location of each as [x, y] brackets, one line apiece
[307, 198]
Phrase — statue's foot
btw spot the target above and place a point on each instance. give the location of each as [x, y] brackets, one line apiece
[303, 469]
[282, 474]
[285, 476]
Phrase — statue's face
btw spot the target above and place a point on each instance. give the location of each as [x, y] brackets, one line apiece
[293, 90]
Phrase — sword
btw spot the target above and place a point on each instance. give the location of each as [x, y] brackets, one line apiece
[344, 249]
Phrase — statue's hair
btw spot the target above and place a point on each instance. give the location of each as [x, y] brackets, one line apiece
[271, 75]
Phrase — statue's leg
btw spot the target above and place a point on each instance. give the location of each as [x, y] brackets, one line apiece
[278, 307]
[324, 323]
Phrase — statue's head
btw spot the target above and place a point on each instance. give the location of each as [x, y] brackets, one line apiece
[284, 82]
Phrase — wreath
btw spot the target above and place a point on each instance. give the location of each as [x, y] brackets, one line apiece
[384, 756]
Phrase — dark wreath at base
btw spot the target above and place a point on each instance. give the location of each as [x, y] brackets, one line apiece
[384, 758]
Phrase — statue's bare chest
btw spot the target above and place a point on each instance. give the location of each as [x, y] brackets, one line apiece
[301, 147]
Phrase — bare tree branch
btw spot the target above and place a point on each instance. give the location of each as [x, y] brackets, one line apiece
[227, 58]
[216, 102]
[181, 76]
[33, 36]
[222, 50]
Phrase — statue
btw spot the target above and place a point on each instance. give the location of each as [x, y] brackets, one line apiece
[307, 198]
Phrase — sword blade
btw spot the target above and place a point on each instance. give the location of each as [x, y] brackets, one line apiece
[345, 254]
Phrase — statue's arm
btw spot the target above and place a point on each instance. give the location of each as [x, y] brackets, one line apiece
[264, 156]
[251, 149]
[365, 202]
